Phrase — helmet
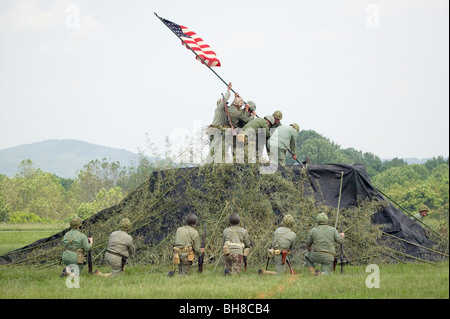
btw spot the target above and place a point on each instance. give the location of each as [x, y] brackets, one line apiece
[277, 115]
[234, 219]
[238, 101]
[125, 224]
[270, 119]
[191, 219]
[252, 105]
[423, 208]
[322, 218]
[75, 222]
[288, 221]
[295, 125]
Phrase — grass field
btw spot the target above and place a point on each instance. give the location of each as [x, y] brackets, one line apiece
[396, 281]
[13, 236]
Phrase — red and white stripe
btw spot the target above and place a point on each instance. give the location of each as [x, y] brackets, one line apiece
[200, 47]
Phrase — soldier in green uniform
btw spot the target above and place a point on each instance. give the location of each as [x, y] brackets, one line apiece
[283, 243]
[76, 244]
[216, 130]
[282, 139]
[236, 245]
[320, 244]
[120, 247]
[187, 244]
[277, 115]
[252, 139]
[239, 116]
[423, 212]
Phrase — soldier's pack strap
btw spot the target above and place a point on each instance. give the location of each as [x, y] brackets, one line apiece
[71, 241]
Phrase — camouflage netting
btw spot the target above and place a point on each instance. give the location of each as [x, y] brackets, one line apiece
[375, 230]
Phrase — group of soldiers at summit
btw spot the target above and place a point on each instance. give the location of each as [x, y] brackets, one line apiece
[248, 133]
[236, 248]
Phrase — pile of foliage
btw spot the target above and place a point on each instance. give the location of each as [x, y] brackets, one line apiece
[157, 207]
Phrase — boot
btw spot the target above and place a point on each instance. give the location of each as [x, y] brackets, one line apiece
[318, 273]
[312, 270]
[100, 274]
[64, 273]
[265, 272]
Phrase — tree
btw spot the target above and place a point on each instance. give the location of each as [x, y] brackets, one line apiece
[104, 199]
[95, 176]
[34, 191]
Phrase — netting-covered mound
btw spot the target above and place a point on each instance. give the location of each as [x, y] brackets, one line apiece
[375, 230]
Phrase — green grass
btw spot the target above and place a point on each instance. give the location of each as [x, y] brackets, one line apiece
[397, 281]
[14, 236]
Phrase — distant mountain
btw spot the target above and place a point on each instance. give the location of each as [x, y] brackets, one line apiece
[61, 157]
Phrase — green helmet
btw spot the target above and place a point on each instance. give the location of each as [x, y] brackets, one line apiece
[295, 125]
[270, 119]
[252, 105]
[423, 208]
[288, 221]
[191, 219]
[75, 222]
[277, 115]
[234, 219]
[125, 224]
[322, 218]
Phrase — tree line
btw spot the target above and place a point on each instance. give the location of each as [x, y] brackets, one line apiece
[36, 196]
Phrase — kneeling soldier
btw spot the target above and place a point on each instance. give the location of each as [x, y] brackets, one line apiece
[283, 243]
[320, 244]
[120, 247]
[236, 245]
[187, 245]
[76, 244]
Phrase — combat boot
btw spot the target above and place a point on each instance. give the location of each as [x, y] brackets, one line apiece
[265, 272]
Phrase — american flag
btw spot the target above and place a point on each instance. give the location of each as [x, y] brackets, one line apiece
[194, 42]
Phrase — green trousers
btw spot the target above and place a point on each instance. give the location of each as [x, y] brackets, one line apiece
[326, 260]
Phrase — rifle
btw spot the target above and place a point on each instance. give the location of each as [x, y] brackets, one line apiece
[290, 266]
[342, 258]
[228, 114]
[301, 164]
[202, 256]
[90, 252]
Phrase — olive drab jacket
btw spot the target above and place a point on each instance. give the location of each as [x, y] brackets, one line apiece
[236, 238]
[121, 243]
[284, 238]
[220, 116]
[187, 236]
[73, 241]
[239, 115]
[323, 238]
[284, 137]
[256, 124]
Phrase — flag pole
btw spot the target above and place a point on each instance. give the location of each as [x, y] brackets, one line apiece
[201, 59]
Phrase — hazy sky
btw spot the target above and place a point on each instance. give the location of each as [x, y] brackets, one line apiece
[372, 75]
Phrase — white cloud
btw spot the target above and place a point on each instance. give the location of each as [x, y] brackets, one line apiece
[323, 35]
[71, 87]
[88, 29]
[27, 15]
[65, 25]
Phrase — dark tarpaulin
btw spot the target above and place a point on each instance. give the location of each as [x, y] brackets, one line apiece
[325, 183]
